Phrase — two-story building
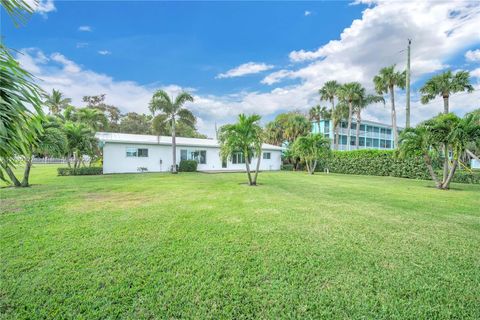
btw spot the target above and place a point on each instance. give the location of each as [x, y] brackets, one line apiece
[373, 135]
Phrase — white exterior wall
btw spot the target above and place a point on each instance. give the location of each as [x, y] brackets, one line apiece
[115, 159]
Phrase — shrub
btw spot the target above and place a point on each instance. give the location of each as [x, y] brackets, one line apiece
[385, 163]
[188, 166]
[287, 167]
[84, 171]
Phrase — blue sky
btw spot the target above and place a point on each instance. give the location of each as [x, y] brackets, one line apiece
[264, 57]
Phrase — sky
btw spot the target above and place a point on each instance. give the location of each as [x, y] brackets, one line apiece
[245, 57]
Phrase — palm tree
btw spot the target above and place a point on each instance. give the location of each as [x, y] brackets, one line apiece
[444, 85]
[171, 111]
[339, 114]
[56, 101]
[310, 149]
[81, 139]
[385, 82]
[318, 113]
[92, 117]
[349, 93]
[361, 104]
[329, 91]
[274, 133]
[246, 137]
[17, 91]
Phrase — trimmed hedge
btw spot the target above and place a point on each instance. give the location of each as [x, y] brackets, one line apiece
[83, 171]
[188, 166]
[287, 167]
[385, 163]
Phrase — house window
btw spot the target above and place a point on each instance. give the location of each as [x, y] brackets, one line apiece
[142, 152]
[266, 155]
[192, 154]
[237, 158]
[376, 143]
[137, 152]
[376, 129]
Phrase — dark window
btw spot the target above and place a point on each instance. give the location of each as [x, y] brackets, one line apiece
[388, 143]
[362, 127]
[383, 143]
[344, 140]
[389, 131]
[369, 142]
[143, 152]
[370, 129]
[238, 158]
[376, 143]
[353, 126]
[352, 141]
[131, 152]
[183, 154]
[376, 129]
[361, 142]
[383, 130]
[266, 155]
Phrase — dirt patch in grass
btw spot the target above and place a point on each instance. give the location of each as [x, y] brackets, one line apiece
[9, 206]
[112, 200]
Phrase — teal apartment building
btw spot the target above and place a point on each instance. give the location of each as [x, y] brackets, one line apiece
[373, 135]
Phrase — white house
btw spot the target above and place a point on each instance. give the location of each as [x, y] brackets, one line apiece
[134, 152]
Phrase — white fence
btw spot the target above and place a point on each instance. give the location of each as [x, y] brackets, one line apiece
[49, 160]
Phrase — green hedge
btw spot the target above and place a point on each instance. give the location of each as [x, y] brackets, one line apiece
[385, 163]
[287, 167]
[188, 166]
[83, 171]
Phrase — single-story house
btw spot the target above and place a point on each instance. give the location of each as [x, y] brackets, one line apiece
[135, 153]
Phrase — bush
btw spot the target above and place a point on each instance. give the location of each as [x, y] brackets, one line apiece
[84, 171]
[188, 166]
[287, 167]
[385, 163]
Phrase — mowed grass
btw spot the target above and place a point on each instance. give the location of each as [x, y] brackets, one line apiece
[199, 245]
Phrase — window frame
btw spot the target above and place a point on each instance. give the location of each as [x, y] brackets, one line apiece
[265, 157]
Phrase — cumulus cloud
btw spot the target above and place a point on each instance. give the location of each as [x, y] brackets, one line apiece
[439, 31]
[85, 29]
[307, 13]
[473, 55]
[104, 52]
[42, 6]
[245, 69]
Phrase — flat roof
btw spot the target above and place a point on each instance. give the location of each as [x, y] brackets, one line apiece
[378, 124]
[114, 137]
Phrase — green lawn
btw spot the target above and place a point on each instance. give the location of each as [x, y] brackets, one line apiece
[208, 246]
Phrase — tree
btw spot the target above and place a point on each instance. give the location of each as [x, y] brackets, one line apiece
[56, 102]
[329, 91]
[361, 104]
[296, 125]
[318, 113]
[339, 114]
[93, 118]
[385, 82]
[17, 130]
[171, 111]
[444, 85]
[444, 132]
[274, 133]
[81, 141]
[136, 123]
[182, 128]
[349, 93]
[246, 137]
[310, 149]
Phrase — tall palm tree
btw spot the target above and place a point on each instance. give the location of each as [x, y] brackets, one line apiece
[92, 117]
[361, 104]
[444, 85]
[339, 114]
[296, 125]
[80, 139]
[245, 136]
[171, 110]
[348, 93]
[56, 101]
[318, 113]
[329, 91]
[385, 82]
[274, 133]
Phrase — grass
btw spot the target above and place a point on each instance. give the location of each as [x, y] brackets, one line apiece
[207, 246]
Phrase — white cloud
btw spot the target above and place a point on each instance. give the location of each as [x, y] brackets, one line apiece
[41, 6]
[473, 55]
[85, 28]
[245, 69]
[81, 45]
[439, 30]
[475, 73]
[307, 13]
[104, 52]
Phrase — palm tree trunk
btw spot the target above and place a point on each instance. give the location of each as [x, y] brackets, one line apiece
[445, 104]
[446, 184]
[258, 168]
[357, 135]
[174, 147]
[10, 174]
[247, 165]
[336, 136]
[26, 173]
[350, 108]
[314, 166]
[428, 162]
[445, 163]
[394, 118]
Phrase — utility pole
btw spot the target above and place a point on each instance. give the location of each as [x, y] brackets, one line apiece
[407, 116]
